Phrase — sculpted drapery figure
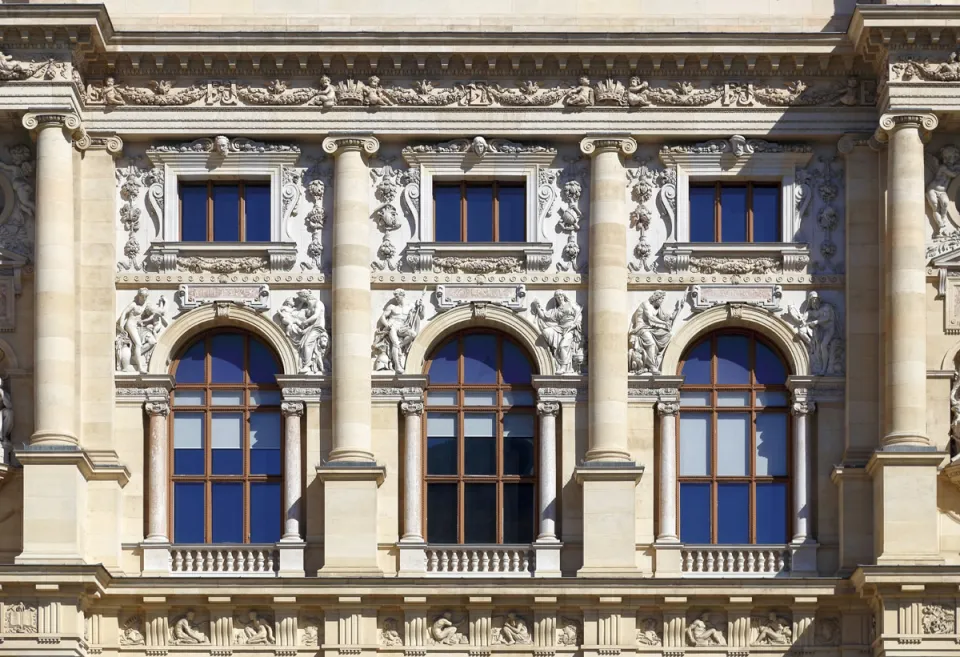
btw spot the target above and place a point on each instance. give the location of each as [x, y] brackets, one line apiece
[947, 168]
[303, 318]
[397, 327]
[817, 326]
[562, 330]
[138, 327]
[650, 333]
[701, 632]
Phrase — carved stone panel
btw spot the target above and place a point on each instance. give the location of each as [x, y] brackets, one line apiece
[508, 296]
[951, 315]
[256, 297]
[767, 297]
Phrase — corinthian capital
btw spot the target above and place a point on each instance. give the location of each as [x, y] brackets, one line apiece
[335, 144]
[620, 142]
[40, 119]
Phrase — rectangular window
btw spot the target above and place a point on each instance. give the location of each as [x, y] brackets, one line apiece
[735, 213]
[225, 212]
[480, 212]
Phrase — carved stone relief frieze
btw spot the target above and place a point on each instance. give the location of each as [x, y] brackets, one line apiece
[397, 194]
[650, 331]
[36, 67]
[938, 619]
[910, 69]
[18, 206]
[816, 195]
[770, 630]
[736, 146]
[255, 297]
[253, 629]
[390, 632]
[568, 629]
[222, 145]
[508, 296]
[478, 146]
[397, 327]
[138, 329]
[561, 325]
[578, 92]
[511, 629]
[817, 324]
[20, 618]
[649, 631]
[303, 318]
[447, 630]
[648, 186]
[312, 631]
[187, 631]
[763, 296]
[703, 630]
[131, 631]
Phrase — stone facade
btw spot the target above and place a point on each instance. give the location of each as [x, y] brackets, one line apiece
[352, 114]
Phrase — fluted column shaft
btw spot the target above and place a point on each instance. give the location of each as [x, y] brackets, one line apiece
[54, 281]
[607, 317]
[158, 452]
[801, 411]
[293, 466]
[547, 477]
[351, 339]
[668, 471]
[906, 349]
[412, 472]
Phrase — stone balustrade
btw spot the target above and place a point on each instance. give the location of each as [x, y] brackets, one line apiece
[735, 561]
[208, 560]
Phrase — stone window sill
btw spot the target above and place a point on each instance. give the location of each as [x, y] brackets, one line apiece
[477, 258]
[221, 257]
[736, 258]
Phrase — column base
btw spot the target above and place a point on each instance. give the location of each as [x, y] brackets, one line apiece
[291, 557]
[609, 518]
[156, 558]
[413, 558]
[906, 527]
[667, 559]
[803, 558]
[350, 518]
[547, 559]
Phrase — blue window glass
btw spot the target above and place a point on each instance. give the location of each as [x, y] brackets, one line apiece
[733, 214]
[518, 514]
[446, 203]
[516, 364]
[518, 433]
[190, 369]
[702, 214]
[733, 359]
[256, 209]
[480, 513]
[193, 209]
[226, 213]
[479, 214]
[442, 432]
[511, 214]
[480, 443]
[766, 214]
[772, 513]
[769, 368]
[265, 428]
[226, 443]
[480, 358]
[265, 511]
[445, 364]
[188, 512]
[188, 443]
[263, 366]
[442, 513]
[226, 358]
[695, 513]
[733, 513]
[696, 367]
[226, 512]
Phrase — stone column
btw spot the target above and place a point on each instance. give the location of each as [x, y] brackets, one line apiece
[158, 509]
[351, 336]
[412, 472]
[801, 411]
[548, 470]
[293, 465]
[607, 312]
[54, 280]
[668, 471]
[906, 346]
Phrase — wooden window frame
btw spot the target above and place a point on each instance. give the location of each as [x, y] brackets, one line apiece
[715, 410]
[208, 479]
[718, 188]
[461, 479]
[463, 185]
[210, 184]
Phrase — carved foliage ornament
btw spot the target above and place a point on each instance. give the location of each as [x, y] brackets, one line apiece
[35, 68]
[397, 193]
[479, 146]
[559, 195]
[222, 145]
[138, 187]
[738, 146]
[824, 177]
[646, 184]
[911, 69]
[576, 93]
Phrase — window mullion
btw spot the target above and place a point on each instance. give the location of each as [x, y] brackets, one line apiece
[210, 211]
[241, 211]
[750, 212]
[717, 214]
[463, 214]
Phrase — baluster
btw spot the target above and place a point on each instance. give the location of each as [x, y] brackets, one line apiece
[740, 561]
[751, 561]
[687, 561]
[474, 561]
[525, 562]
[433, 562]
[515, 561]
[444, 561]
[260, 560]
[485, 561]
[208, 561]
[710, 562]
[496, 562]
[189, 559]
[781, 562]
[271, 561]
[218, 562]
[771, 561]
[698, 567]
[248, 561]
[455, 560]
[178, 561]
[231, 562]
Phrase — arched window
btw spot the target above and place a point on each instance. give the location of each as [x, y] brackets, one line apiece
[734, 442]
[227, 466]
[480, 440]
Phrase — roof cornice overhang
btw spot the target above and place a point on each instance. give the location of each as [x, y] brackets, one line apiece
[87, 25]
[875, 27]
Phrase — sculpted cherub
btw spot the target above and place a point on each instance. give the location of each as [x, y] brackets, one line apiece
[637, 93]
[326, 93]
[947, 168]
